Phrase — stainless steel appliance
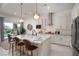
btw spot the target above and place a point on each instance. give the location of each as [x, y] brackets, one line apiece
[75, 36]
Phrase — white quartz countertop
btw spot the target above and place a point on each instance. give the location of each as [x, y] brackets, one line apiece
[40, 38]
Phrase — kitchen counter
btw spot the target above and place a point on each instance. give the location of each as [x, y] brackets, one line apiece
[41, 40]
[64, 40]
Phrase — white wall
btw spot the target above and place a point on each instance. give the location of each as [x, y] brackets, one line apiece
[11, 20]
[62, 21]
[29, 21]
[75, 11]
[42, 21]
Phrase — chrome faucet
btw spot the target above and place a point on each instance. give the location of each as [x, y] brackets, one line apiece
[34, 32]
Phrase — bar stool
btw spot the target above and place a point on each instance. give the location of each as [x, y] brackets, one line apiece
[11, 45]
[16, 40]
[29, 47]
[27, 44]
[21, 45]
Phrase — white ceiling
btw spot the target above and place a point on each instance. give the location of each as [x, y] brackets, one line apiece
[13, 9]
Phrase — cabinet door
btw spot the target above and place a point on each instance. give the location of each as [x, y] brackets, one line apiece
[66, 40]
[55, 39]
[63, 40]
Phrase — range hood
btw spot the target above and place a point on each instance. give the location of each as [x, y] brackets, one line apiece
[50, 19]
[50, 29]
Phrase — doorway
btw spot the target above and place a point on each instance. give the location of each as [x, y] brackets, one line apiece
[8, 29]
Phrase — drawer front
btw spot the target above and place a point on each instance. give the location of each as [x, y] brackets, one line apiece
[64, 40]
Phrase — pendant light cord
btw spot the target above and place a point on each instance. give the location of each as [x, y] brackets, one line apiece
[36, 7]
[21, 9]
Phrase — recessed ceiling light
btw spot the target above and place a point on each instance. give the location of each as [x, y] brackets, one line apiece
[14, 13]
[48, 7]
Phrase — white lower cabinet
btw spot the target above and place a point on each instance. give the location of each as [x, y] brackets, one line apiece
[60, 39]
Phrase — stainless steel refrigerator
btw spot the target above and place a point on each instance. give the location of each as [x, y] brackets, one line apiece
[75, 36]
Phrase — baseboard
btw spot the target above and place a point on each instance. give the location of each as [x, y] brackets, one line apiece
[61, 45]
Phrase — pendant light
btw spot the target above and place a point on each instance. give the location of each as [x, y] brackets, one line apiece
[36, 15]
[21, 17]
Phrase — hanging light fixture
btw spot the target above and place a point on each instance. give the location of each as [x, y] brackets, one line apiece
[21, 17]
[36, 15]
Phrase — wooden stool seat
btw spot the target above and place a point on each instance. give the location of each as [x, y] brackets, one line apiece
[32, 47]
[13, 44]
[29, 47]
[21, 45]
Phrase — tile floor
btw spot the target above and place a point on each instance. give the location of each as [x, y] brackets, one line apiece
[56, 50]
[4, 52]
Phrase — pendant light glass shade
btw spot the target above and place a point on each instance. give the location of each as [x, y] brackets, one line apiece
[21, 20]
[36, 16]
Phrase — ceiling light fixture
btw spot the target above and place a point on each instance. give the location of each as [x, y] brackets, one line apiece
[21, 17]
[48, 7]
[36, 15]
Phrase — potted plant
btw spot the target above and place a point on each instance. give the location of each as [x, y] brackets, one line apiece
[22, 30]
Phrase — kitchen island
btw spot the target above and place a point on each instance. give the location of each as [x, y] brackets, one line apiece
[42, 41]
